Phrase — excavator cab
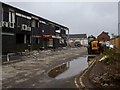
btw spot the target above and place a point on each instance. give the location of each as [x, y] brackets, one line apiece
[94, 46]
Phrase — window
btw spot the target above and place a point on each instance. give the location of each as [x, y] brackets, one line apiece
[33, 23]
[11, 16]
[18, 21]
[37, 24]
[62, 41]
[50, 43]
[20, 38]
[27, 39]
[29, 23]
[43, 31]
[37, 41]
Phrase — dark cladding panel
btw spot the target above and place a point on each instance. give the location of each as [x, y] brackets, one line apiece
[35, 32]
[47, 29]
[56, 43]
[5, 14]
[51, 30]
[42, 28]
[1, 44]
[8, 43]
[1, 14]
[63, 31]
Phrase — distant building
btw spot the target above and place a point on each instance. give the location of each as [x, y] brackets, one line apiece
[81, 38]
[103, 37]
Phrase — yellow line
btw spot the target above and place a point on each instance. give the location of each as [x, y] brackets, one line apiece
[81, 82]
[75, 81]
[80, 79]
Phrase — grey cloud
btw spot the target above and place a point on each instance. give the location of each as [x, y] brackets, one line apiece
[82, 17]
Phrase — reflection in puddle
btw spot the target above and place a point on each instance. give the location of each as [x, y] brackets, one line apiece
[89, 59]
[58, 70]
[69, 69]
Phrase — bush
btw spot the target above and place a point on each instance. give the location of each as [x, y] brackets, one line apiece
[110, 55]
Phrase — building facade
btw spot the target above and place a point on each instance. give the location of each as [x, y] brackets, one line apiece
[103, 37]
[78, 39]
[22, 30]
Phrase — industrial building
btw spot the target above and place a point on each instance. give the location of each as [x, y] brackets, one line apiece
[22, 30]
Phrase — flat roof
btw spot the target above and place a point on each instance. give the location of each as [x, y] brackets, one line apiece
[77, 36]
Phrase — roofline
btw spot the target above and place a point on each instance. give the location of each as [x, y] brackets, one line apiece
[35, 15]
[78, 34]
[115, 37]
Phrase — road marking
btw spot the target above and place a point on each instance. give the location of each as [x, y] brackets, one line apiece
[81, 82]
[80, 79]
[75, 81]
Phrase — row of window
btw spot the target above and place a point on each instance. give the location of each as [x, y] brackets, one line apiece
[26, 39]
[20, 17]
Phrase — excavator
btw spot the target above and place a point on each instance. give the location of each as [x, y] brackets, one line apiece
[94, 46]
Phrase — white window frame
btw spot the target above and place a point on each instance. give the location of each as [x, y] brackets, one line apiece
[18, 14]
[11, 16]
[38, 24]
[25, 37]
[33, 23]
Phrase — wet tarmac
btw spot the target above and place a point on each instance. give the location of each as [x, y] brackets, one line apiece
[70, 68]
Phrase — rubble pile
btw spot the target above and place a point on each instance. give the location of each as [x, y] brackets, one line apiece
[106, 73]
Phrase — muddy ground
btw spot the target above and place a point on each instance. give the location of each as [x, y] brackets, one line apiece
[106, 72]
[32, 71]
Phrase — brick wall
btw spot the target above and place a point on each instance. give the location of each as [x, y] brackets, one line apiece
[103, 37]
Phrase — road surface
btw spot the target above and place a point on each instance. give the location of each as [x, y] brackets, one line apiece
[33, 72]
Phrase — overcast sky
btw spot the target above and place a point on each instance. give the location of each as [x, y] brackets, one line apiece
[81, 17]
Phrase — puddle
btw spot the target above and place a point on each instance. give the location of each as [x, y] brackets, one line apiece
[70, 68]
